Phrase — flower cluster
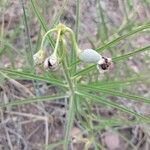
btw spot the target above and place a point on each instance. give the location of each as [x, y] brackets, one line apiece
[86, 56]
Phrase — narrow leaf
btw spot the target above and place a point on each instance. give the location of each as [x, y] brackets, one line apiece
[125, 56]
[115, 41]
[111, 104]
[33, 77]
[116, 93]
[33, 100]
[42, 21]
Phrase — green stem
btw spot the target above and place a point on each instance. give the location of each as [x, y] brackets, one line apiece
[57, 43]
[67, 76]
[75, 50]
[71, 111]
[70, 120]
[44, 37]
[73, 38]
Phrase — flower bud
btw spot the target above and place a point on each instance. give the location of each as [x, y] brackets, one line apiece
[51, 63]
[89, 56]
[39, 57]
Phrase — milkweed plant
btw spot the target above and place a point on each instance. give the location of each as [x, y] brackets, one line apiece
[74, 71]
[82, 95]
[58, 59]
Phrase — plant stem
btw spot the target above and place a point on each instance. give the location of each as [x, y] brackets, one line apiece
[73, 38]
[75, 50]
[68, 78]
[70, 120]
[44, 37]
[57, 43]
[71, 111]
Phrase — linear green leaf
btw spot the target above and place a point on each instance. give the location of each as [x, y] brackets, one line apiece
[115, 84]
[109, 103]
[33, 100]
[42, 21]
[116, 93]
[125, 56]
[84, 71]
[111, 122]
[115, 41]
[54, 145]
[34, 77]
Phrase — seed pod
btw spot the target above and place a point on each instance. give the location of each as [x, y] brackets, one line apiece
[51, 63]
[89, 56]
[39, 57]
